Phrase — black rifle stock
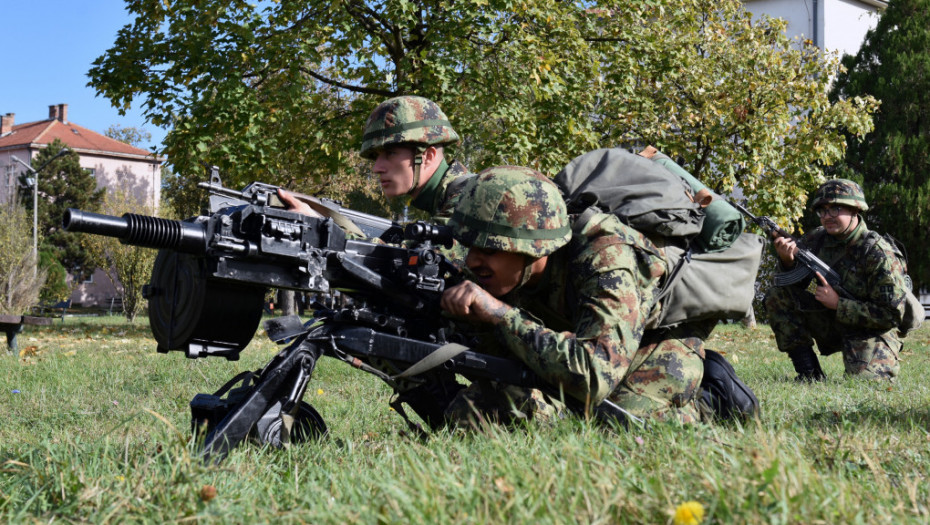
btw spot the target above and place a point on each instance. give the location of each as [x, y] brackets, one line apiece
[809, 263]
[206, 298]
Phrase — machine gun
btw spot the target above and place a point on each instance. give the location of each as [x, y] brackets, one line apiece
[809, 263]
[206, 298]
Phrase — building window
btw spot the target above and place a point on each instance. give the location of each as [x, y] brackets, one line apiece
[91, 171]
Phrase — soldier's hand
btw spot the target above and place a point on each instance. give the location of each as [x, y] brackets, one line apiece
[786, 249]
[294, 204]
[472, 302]
[826, 294]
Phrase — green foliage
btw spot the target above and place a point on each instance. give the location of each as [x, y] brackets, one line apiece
[130, 135]
[19, 281]
[893, 162]
[740, 103]
[99, 432]
[129, 268]
[63, 184]
[279, 91]
[56, 288]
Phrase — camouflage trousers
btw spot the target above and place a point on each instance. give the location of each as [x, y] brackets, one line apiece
[798, 321]
[662, 384]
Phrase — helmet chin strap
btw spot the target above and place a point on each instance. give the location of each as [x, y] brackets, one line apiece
[417, 163]
[528, 263]
[848, 226]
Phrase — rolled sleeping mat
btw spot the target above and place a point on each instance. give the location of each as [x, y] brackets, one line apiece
[723, 223]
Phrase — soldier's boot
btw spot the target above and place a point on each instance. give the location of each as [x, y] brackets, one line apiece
[806, 365]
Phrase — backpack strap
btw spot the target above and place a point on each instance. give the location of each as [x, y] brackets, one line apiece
[582, 219]
[673, 277]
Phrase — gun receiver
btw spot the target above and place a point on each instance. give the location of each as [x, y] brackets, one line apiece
[261, 194]
[809, 263]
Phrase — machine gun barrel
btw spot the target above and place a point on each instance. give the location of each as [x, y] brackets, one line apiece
[139, 230]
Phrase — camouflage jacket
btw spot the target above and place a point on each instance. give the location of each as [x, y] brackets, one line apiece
[442, 192]
[582, 324]
[870, 271]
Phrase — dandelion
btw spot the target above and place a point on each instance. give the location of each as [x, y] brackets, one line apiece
[319, 391]
[689, 513]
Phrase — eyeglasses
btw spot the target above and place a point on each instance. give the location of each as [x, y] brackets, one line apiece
[832, 211]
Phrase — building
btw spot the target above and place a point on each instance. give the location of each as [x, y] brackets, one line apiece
[113, 164]
[832, 25]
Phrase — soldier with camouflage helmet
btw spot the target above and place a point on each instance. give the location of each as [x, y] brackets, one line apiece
[863, 327]
[405, 138]
[571, 305]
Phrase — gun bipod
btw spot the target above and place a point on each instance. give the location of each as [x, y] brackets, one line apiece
[267, 406]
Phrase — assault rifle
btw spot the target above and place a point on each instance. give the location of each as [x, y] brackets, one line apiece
[206, 298]
[809, 263]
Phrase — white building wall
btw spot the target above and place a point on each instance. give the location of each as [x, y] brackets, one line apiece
[798, 13]
[141, 178]
[833, 25]
[10, 171]
[847, 23]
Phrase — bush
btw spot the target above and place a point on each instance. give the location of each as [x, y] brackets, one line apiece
[56, 286]
[20, 280]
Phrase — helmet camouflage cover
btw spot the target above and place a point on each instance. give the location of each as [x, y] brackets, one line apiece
[512, 209]
[406, 120]
[840, 191]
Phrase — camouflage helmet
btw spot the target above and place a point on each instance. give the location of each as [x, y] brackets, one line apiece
[406, 120]
[840, 191]
[512, 209]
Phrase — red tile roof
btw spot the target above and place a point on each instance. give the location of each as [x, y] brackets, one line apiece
[76, 137]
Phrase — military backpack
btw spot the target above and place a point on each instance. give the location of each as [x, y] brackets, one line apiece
[701, 283]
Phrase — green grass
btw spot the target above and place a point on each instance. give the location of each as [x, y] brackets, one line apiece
[98, 432]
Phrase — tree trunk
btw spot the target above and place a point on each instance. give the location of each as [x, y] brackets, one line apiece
[287, 302]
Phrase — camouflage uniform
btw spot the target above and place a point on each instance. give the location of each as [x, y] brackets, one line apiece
[443, 191]
[582, 328]
[863, 329]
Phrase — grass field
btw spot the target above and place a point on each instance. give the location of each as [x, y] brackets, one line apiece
[94, 427]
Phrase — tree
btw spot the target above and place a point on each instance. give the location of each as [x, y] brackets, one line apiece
[129, 268]
[56, 287]
[63, 184]
[130, 135]
[893, 161]
[279, 91]
[19, 281]
[739, 102]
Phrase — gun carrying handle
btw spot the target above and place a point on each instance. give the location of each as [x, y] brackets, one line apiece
[321, 209]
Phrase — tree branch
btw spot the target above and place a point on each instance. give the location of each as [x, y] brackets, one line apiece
[349, 87]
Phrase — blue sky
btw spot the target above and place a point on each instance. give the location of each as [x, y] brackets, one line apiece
[49, 46]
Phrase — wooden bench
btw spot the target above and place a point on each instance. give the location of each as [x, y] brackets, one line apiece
[57, 311]
[13, 325]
